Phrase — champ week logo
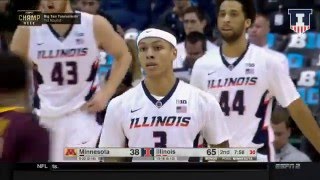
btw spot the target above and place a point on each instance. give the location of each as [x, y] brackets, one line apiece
[300, 20]
[37, 18]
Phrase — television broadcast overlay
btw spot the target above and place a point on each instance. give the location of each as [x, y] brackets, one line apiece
[171, 170]
[162, 154]
[37, 18]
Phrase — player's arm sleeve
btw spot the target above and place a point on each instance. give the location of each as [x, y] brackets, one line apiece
[197, 77]
[112, 134]
[285, 63]
[214, 129]
[280, 83]
[35, 142]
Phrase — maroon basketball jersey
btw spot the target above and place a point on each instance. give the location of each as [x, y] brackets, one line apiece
[21, 137]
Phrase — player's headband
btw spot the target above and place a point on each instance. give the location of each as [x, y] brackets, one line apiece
[157, 33]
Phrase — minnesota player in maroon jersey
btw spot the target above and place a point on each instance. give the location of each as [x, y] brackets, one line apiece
[21, 138]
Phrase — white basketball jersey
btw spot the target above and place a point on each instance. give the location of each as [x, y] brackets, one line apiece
[243, 90]
[281, 57]
[66, 66]
[173, 121]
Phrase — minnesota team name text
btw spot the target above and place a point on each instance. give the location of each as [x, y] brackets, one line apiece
[93, 151]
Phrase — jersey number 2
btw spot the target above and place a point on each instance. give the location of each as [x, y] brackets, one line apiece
[163, 139]
[57, 73]
[237, 103]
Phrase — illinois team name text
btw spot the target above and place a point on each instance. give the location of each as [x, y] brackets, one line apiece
[156, 121]
[62, 53]
[239, 81]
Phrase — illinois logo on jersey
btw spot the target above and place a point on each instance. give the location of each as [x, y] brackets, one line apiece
[300, 20]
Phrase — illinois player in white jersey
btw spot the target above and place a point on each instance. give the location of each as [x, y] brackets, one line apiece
[162, 111]
[240, 77]
[66, 59]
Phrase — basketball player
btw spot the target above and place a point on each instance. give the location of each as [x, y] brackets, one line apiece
[66, 60]
[240, 77]
[21, 138]
[162, 111]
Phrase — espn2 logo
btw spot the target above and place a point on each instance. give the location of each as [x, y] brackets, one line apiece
[147, 152]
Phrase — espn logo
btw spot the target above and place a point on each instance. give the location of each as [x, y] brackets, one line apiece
[147, 152]
[70, 153]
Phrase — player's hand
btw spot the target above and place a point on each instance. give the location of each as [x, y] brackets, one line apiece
[97, 103]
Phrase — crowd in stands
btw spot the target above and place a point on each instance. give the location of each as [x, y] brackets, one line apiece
[193, 24]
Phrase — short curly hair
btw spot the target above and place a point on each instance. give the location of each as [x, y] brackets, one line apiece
[248, 8]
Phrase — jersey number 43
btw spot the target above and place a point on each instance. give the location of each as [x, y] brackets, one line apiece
[57, 74]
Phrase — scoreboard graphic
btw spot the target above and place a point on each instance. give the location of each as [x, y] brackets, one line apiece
[209, 154]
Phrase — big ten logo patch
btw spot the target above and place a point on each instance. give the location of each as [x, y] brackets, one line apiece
[181, 101]
[308, 86]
